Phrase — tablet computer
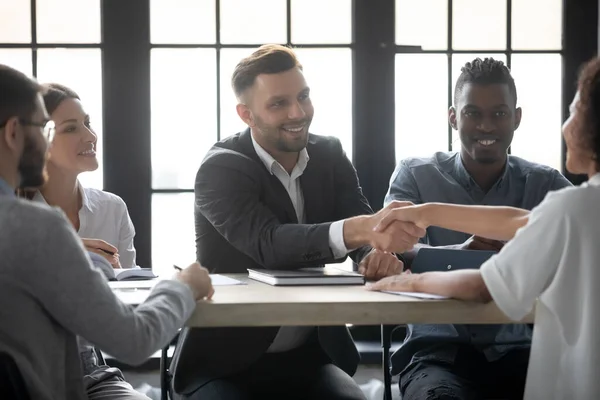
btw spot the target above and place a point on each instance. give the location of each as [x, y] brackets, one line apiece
[440, 259]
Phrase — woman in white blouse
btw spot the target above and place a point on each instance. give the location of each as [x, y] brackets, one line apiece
[99, 217]
[552, 260]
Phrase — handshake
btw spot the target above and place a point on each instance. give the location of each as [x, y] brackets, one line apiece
[396, 228]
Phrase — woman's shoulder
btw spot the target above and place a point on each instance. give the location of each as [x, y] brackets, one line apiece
[99, 198]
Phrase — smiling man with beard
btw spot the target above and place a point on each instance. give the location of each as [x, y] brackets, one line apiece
[266, 198]
[471, 361]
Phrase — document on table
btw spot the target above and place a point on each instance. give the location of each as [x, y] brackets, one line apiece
[217, 280]
[222, 280]
[419, 295]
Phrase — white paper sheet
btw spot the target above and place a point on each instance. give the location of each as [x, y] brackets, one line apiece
[222, 280]
[419, 295]
[217, 280]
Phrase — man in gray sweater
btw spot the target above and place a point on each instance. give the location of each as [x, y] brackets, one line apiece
[49, 290]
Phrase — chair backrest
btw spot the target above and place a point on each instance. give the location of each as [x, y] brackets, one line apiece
[12, 385]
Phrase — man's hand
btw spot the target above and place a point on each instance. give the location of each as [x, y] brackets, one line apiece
[396, 236]
[379, 264]
[198, 279]
[104, 249]
[400, 211]
[480, 243]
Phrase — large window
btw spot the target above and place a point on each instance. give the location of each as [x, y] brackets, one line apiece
[58, 41]
[193, 105]
[525, 34]
[164, 95]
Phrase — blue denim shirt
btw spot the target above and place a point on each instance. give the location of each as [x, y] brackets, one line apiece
[443, 178]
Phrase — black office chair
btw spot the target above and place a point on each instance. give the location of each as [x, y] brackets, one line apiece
[387, 332]
[166, 376]
[12, 385]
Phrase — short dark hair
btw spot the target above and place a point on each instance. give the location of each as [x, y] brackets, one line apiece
[485, 72]
[589, 105]
[17, 94]
[55, 94]
[268, 59]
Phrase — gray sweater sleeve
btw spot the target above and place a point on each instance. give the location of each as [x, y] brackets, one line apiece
[61, 277]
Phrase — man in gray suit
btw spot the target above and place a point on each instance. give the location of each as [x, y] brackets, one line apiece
[266, 198]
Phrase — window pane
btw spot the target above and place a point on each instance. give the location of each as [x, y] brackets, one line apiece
[328, 73]
[530, 30]
[173, 232]
[336, 15]
[421, 105]
[422, 23]
[16, 21]
[182, 21]
[184, 114]
[479, 24]
[80, 70]
[268, 21]
[458, 61]
[68, 21]
[19, 59]
[538, 138]
[230, 121]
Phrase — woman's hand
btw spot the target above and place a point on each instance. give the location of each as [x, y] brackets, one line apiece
[104, 249]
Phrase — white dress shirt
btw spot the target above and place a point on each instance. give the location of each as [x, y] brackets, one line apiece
[104, 215]
[555, 259]
[293, 336]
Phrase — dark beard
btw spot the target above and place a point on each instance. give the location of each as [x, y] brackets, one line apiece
[32, 165]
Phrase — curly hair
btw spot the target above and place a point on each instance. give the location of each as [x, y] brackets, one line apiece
[485, 72]
[588, 106]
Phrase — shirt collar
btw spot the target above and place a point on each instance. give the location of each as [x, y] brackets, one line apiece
[467, 180]
[85, 201]
[270, 162]
[594, 180]
[6, 189]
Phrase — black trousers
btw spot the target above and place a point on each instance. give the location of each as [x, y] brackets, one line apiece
[470, 377]
[300, 374]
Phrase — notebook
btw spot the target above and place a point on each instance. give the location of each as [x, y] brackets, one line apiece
[133, 274]
[306, 276]
[438, 259]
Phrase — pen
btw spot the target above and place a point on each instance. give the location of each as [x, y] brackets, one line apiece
[177, 268]
[107, 252]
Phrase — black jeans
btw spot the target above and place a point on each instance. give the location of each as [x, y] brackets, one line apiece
[305, 373]
[470, 377]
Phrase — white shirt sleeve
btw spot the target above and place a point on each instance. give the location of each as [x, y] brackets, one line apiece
[525, 267]
[336, 239]
[126, 235]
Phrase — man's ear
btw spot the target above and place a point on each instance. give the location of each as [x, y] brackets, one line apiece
[452, 118]
[245, 114]
[518, 115]
[10, 134]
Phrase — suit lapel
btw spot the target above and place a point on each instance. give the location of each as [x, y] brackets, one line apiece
[280, 192]
[310, 181]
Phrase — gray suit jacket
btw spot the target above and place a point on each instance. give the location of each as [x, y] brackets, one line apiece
[245, 219]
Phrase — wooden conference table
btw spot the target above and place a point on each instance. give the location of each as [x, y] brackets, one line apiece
[257, 304]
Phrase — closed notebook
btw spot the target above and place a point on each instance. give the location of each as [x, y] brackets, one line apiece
[133, 274]
[306, 276]
[438, 259]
